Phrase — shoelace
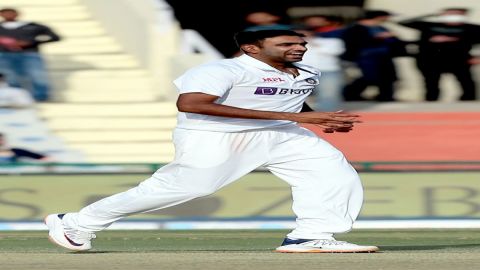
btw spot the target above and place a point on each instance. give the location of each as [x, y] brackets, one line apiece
[79, 236]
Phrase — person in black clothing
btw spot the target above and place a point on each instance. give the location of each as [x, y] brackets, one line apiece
[19, 53]
[371, 47]
[8, 154]
[444, 47]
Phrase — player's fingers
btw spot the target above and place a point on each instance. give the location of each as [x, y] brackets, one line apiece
[335, 121]
[337, 125]
[351, 118]
[326, 128]
[343, 129]
[342, 113]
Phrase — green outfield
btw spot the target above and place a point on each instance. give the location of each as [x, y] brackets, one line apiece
[233, 249]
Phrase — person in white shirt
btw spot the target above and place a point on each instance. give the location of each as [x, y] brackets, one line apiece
[236, 115]
[14, 97]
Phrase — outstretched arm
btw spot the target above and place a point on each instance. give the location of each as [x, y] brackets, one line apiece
[205, 104]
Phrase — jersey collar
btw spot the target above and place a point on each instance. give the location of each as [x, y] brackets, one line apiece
[305, 71]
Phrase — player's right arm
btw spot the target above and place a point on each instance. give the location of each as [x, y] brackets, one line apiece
[201, 103]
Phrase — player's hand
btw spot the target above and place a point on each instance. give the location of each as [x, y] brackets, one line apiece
[330, 121]
[327, 129]
[338, 118]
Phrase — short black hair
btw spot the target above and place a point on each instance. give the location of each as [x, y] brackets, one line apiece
[254, 37]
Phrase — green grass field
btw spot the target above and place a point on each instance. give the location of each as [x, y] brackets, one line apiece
[234, 249]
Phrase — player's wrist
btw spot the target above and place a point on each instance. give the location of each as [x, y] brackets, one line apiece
[289, 116]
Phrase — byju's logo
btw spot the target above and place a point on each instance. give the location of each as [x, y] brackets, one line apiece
[266, 91]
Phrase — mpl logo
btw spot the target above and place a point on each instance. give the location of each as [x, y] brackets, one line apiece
[269, 91]
[273, 79]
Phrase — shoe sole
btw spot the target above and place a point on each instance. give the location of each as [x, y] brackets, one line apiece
[53, 241]
[328, 251]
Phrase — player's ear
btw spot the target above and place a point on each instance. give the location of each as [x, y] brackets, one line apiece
[249, 48]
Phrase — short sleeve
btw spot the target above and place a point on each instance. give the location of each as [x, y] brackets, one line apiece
[212, 79]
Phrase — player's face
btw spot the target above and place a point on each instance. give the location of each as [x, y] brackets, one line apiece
[283, 49]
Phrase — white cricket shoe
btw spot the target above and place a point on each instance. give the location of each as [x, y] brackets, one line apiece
[66, 237]
[322, 246]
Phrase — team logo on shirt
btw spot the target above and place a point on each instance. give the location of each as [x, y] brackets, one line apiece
[270, 91]
[311, 81]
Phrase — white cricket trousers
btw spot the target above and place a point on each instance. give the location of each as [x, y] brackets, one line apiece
[327, 193]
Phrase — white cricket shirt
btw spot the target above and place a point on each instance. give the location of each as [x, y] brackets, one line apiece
[248, 83]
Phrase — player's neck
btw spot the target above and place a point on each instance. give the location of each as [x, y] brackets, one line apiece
[287, 68]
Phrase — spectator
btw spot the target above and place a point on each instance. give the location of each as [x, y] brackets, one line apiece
[20, 59]
[265, 20]
[371, 47]
[444, 47]
[324, 25]
[8, 154]
[323, 53]
[14, 97]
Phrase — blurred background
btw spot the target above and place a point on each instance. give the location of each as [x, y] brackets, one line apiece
[95, 113]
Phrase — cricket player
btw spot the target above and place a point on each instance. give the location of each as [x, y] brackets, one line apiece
[234, 116]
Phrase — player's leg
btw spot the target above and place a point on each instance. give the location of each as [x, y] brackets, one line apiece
[326, 190]
[204, 162]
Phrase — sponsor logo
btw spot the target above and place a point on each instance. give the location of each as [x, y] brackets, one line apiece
[266, 91]
[270, 91]
[273, 79]
[286, 91]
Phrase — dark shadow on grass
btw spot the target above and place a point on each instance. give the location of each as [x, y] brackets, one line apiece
[426, 247]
